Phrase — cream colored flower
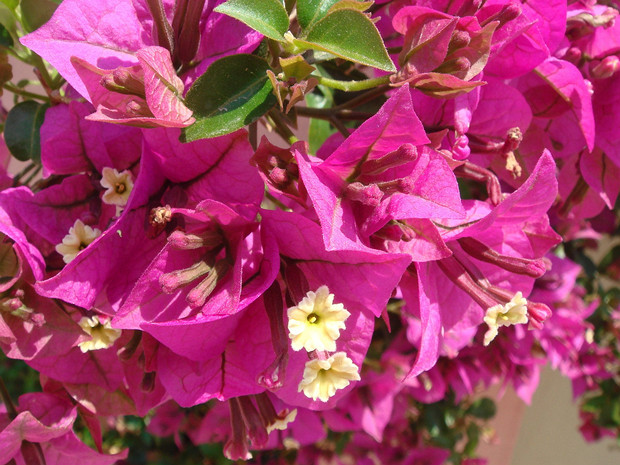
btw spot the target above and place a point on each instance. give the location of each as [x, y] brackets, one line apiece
[282, 420]
[315, 322]
[118, 185]
[78, 239]
[102, 334]
[513, 313]
[322, 378]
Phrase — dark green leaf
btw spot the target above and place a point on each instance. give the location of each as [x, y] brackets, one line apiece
[310, 11]
[349, 34]
[35, 13]
[232, 93]
[22, 130]
[482, 408]
[5, 37]
[265, 16]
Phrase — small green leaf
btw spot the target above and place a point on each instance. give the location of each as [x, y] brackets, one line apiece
[22, 130]
[232, 93]
[265, 16]
[482, 408]
[35, 13]
[311, 11]
[349, 34]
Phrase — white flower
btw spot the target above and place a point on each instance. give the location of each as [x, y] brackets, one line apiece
[282, 420]
[78, 238]
[513, 313]
[322, 378]
[103, 335]
[315, 322]
[118, 185]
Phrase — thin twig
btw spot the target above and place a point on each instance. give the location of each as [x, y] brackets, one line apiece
[24, 93]
[282, 127]
[33, 175]
[342, 129]
[23, 173]
[327, 113]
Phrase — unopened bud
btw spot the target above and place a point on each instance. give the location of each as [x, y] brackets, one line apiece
[537, 313]
[456, 66]
[368, 195]
[170, 282]
[279, 178]
[459, 39]
[138, 108]
[128, 79]
[606, 68]
[183, 241]
[199, 294]
[507, 13]
[524, 266]
[404, 154]
[573, 55]
[510, 11]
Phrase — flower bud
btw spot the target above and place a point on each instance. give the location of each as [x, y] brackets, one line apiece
[170, 282]
[573, 55]
[606, 68]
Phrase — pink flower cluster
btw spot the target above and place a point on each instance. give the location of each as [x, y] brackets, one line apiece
[300, 291]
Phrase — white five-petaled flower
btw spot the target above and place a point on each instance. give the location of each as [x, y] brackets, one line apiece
[118, 186]
[316, 321]
[513, 313]
[103, 335]
[80, 235]
[322, 378]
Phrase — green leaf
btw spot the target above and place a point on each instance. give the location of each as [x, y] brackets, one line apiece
[12, 4]
[349, 34]
[22, 130]
[5, 37]
[353, 4]
[35, 13]
[232, 93]
[482, 408]
[265, 16]
[310, 11]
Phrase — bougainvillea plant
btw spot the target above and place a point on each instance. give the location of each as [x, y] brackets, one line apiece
[308, 231]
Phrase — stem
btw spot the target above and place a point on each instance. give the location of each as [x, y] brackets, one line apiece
[327, 113]
[352, 86]
[342, 129]
[6, 400]
[23, 173]
[363, 98]
[33, 175]
[24, 93]
[253, 135]
[282, 127]
[37, 61]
